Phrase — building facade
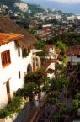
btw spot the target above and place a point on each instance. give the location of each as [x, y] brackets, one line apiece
[13, 66]
[73, 54]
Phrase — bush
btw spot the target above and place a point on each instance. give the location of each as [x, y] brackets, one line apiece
[11, 108]
[20, 93]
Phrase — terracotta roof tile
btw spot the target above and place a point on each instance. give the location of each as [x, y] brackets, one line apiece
[9, 26]
[6, 38]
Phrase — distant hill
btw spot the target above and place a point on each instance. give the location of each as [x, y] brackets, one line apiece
[53, 4]
[8, 2]
[13, 4]
[35, 8]
[20, 5]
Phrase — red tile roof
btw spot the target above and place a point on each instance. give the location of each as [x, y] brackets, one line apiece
[6, 38]
[9, 26]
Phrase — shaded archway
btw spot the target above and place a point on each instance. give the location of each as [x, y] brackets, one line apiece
[29, 69]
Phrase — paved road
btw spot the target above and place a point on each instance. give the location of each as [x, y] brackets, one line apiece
[29, 110]
[26, 113]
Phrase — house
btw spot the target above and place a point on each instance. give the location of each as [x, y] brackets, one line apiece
[11, 74]
[51, 70]
[34, 24]
[3, 9]
[17, 58]
[27, 43]
[50, 60]
[73, 54]
[13, 65]
[46, 32]
[78, 20]
[71, 19]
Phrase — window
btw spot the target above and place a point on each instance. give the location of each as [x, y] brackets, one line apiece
[78, 56]
[24, 52]
[29, 69]
[18, 51]
[19, 75]
[8, 91]
[5, 58]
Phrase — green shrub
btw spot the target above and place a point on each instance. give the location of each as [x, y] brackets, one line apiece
[11, 108]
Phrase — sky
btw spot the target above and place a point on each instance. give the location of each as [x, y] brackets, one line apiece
[72, 6]
[66, 1]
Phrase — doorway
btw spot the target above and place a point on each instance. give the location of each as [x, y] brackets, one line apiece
[8, 91]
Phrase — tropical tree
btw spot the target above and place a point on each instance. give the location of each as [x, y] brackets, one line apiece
[62, 46]
[40, 44]
[76, 103]
[29, 90]
[38, 78]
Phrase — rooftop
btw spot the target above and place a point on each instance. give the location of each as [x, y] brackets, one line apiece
[9, 26]
[6, 38]
[74, 51]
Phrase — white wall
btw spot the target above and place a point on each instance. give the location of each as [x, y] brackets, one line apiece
[74, 59]
[11, 72]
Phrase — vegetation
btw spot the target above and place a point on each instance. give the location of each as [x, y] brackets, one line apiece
[55, 88]
[10, 4]
[11, 108]
[38, 78]
[29, 90]
[35, 9]
[40, 44]
[68, 38]
[62, 88]
[62, 46]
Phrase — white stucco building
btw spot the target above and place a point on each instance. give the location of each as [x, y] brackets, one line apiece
[51, 61]
[73, 54]
[71, 19]
[13, 66]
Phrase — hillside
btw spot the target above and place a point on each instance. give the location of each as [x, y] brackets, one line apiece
[9, 2]
[35, 8]
[15, 5]
[21, 6]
